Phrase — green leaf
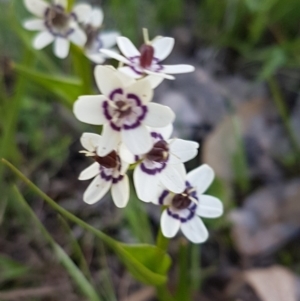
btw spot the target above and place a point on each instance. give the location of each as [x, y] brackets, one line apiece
[10, 269]
[66, 88]
[148, 264]
[152, 258]
[83, 284]
[275, 58]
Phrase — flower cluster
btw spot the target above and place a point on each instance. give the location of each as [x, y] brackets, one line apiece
[136, 132]
[81, 26]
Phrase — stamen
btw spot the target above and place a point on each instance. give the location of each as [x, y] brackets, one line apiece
[87, 153]
[194, 200]
[146, 36]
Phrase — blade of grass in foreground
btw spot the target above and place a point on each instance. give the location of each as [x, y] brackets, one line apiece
[82, 283]
[141, 260]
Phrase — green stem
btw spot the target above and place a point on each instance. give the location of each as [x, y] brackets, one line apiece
[283, 112]
[8, 147]
[109, 241]
[163, 293]
[183, 285]
[161, 241]
[195, 268]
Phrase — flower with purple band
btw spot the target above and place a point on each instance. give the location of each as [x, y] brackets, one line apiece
[108, 172]
[124, 110]
[57, 25]
[97, 39]
[162, 165]
[183, 209]
[148, 59]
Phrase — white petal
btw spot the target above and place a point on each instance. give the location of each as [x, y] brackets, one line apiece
[201, 178]
[90, 172]
[78, 36]
[107, 80]
[88, 109]
[163, 47]
[42, 39]
[109, 38]
[62, 3]
[96, 190]
[34, 24]
[124, 167]
[96, 17]
[83, 12]
[169, 225]
[172, 179]
[142, 89]
[209, 206]
[120, 192]
[112, 54]
[161, 74]
[146, 186]
[61, 47]
[127, 48]
[165, 131]
[195, 230]
[96, 58]
[182, 150]
[158, 115]
[126, 80]
[177, 69]
[110, 141]
[153, 79]
[36, 7]
[128, 71]
[90, 141]
[138, 140]
[126, 154]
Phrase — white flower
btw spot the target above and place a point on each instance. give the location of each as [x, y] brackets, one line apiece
[108, 172]
[184, 208]
[97, 39]
[57, 25]
[124, 109]
[162, 165]
[148, 59]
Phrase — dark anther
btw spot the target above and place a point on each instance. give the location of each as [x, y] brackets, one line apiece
[123, 109]
[91, 34]
[109, 161]
[181, 201]
[57, 17]
[159, 152]
[147, 53]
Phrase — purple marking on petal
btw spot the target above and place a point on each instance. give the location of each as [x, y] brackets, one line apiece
[175, 215]
[135, 97]
[153, 171]
[105, 110]
[114, 92]
[163, 196]
[182, 219]
[134, 60]
[104, 176]
[156, 135]
[118, 179]
[115, 127]
[74, 16]
[141, 117]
